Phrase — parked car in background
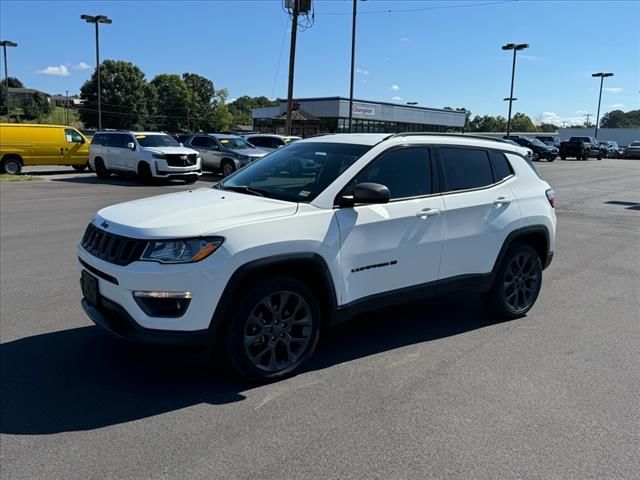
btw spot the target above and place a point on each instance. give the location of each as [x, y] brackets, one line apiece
[221, 152]
[270, 142]
[542, 150]
[528, 153]
[632, 151]
[611, 149]
[25, 144]
[149, 155]
[551, 140]
[257, 267]
[580, 148]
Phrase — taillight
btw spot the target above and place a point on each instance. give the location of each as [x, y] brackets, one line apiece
[551, 196]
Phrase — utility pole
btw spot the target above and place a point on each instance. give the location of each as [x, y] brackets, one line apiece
[515, 47]
[587, 115]
[5, 44]
[97, 19]
[66, 110]
[292, 60]
[602, 77]
[353, 60]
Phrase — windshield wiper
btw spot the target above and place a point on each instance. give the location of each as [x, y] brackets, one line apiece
[245, 189]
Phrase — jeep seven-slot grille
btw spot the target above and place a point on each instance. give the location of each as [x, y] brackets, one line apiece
[177, 160]
[110, 247]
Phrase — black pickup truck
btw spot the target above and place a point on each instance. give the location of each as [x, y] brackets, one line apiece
[580, 148]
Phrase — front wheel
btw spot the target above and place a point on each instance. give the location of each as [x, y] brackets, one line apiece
[79, 168]
[273, 330]
[517, 283]
[228, 168]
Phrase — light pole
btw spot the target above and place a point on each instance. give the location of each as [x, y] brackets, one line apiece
[5, 44]
[66, 110]
[97, 19]
[602, 76]
[515, 47]
[353, 59]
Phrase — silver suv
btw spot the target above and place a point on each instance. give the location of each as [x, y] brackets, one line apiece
[222, 153]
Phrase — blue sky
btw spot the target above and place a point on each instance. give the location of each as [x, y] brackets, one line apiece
[438, 53]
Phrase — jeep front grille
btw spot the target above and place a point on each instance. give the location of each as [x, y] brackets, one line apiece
[110, 247]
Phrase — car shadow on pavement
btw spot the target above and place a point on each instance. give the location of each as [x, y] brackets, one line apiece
[82, 379]
[124, 181]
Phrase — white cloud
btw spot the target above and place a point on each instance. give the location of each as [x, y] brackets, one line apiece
[613, 89]
[60, 71]
[82, 66]
[362, 71]
[618, 106]
[405, 39]
[395, 88]
[558, 120]
[397, 99]
[230, 100]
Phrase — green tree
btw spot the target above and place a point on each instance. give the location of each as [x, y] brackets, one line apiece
[547, 127]
[171, 109]
[222, 117]
[614, 119]
[201, 101]
[13, 83]
[124, 99]
[241, 108]
[522, 123]
[35, 106]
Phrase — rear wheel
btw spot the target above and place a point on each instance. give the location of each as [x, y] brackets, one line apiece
[190, 179]
[228, 168]
[517, 283]
[563, 157]
[101, 170]
[11, 165]
[273, 330]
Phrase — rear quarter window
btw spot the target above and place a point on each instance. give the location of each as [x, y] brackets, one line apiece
[465, 168]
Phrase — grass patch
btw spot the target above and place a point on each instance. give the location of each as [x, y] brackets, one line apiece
[5, 178]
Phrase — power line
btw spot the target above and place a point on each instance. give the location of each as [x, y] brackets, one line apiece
[284, 39]
[422, 9]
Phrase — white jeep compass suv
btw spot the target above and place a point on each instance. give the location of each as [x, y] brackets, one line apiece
[259, 265]
[149, 155]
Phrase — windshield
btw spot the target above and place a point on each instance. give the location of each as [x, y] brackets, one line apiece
[538, 143]
[298, 173]
[156, 141]
[235, 143]
[635, 144]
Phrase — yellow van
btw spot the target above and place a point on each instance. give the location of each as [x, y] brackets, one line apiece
[24, 144]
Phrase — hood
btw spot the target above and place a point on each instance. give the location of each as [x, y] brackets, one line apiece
[249, 152]
[189, 214]
[171, 150]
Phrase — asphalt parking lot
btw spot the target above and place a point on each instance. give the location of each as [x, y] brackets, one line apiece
[434, 390]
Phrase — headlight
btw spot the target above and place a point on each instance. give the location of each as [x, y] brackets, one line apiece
[242, 157]
[186, 250]
[159, 156]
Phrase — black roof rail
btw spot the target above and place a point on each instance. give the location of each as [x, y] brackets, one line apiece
[445, 134]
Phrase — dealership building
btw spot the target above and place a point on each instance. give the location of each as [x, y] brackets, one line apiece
[312, 116]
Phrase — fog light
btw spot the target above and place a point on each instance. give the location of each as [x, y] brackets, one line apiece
[163, 304]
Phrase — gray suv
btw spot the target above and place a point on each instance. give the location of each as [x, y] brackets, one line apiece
[222, 153]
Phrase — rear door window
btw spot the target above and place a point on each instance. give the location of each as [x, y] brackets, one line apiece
[465, 168]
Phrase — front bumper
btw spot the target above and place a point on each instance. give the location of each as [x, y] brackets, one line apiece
[115, 320]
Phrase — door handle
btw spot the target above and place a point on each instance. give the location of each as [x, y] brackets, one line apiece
[428, 212]
[502, 201]
[61, 151]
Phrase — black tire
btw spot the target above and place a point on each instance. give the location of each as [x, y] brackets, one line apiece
[144, 173]
[79, 168]
[552, 159]
[275, 328]
[563, 157]
[517, 282]
[101, 170]
[227, 167]
[11, 165]
[191, 179]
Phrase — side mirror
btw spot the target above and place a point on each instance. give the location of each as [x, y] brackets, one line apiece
[82, 141]
[215, 147]
[131, 146]
[366, 193]
[181, 144]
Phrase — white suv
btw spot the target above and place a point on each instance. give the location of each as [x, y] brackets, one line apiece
[149, 155]
[257, 266]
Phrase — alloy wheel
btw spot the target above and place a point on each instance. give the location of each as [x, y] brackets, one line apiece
[278, 331]
[521, 282]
